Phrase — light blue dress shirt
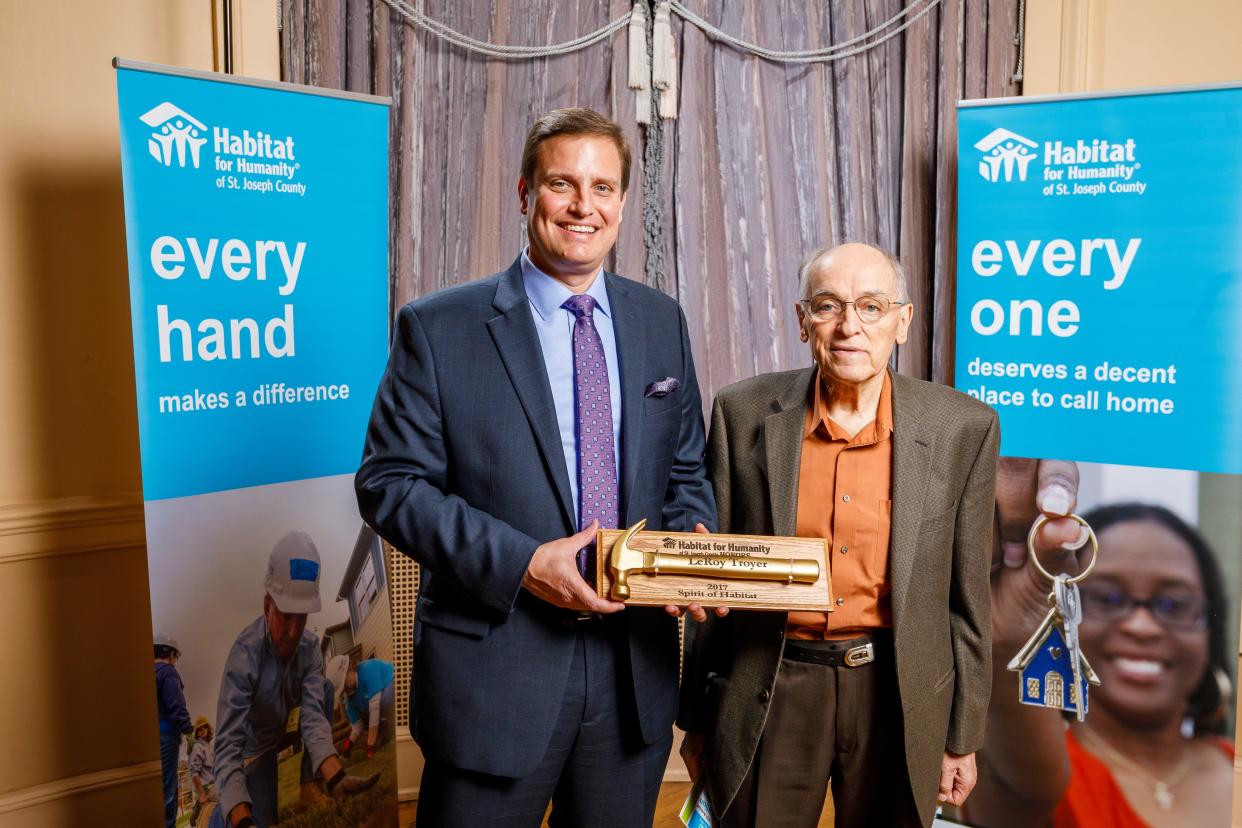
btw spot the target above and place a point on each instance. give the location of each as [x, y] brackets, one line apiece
[257, 692]
[555, 327]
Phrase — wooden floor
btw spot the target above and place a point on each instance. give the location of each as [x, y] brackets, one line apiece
[672, 795]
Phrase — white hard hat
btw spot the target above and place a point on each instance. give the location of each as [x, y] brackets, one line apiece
[293, 574]
[336, 671]
[166, 640]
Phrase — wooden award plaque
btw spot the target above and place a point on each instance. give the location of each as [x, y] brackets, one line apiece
[741, 571]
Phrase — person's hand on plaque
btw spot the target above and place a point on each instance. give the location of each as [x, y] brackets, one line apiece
[553, 575]
[697, 611]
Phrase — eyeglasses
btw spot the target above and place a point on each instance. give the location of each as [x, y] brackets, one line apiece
[825, 307]
[1175, 612]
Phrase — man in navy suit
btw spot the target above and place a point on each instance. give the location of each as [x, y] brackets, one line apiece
[519, 413]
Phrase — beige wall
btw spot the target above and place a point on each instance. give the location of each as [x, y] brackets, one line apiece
[76, 703]
[1092, 45]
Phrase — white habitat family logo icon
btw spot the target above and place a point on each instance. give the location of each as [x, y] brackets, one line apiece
[175, 129]
[1005, 152]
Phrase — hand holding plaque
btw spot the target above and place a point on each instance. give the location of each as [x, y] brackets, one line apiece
[740, 571]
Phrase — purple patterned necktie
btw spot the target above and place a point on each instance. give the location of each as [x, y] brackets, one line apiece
[597, 463]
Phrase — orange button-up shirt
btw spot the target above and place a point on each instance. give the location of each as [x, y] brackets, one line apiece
[845, 489]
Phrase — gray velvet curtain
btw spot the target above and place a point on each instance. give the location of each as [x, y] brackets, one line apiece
[764, 162]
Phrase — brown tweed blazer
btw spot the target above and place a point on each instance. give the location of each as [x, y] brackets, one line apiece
[944, 483]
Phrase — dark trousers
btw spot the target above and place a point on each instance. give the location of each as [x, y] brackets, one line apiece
[597, 772]
[170, 745]
[829, 725]
[263, 774]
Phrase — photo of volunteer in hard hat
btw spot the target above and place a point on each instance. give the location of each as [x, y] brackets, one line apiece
[368, 691]
[273, 697]
[201, 764]
[174, 718]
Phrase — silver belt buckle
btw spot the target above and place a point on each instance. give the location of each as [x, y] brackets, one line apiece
[860, 655]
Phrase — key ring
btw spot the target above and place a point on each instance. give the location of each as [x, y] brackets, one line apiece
[1030, 548]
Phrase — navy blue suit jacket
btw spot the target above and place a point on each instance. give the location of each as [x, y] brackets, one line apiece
[463, 470]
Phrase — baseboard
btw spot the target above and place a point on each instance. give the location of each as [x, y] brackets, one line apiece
[25, 798]
[409, 793]
[72, 525]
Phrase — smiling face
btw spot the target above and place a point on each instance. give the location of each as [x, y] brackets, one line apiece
[573, 206]
[847, 351]
[1147, 669]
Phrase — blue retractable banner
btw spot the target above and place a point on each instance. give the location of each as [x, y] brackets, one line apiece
[257, 239]
[1099, 275]
[1099, 284]
[256, 218]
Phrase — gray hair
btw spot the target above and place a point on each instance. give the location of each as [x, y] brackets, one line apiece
[811, 261]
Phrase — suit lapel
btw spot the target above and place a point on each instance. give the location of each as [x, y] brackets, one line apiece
[632, 358]
[518, 344]
[782, 436]
[912, 448]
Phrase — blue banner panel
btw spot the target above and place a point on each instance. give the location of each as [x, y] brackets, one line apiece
[256, 223]
[1100, 275]
[257, 233]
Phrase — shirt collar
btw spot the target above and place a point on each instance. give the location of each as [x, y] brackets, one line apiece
[547, 294]
[880, 427]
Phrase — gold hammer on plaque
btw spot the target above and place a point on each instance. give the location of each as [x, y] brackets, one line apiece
[625, 561]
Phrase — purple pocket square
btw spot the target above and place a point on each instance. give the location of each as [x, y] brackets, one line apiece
[662, 388]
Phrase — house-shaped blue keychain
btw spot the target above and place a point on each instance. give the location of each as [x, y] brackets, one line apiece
[1047, 671]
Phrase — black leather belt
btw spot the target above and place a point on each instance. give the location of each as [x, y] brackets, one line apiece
[853, 652]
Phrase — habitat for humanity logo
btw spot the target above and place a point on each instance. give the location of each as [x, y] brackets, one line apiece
[257, 161]
[175, 130]
[1082, 167]
[1005, 152]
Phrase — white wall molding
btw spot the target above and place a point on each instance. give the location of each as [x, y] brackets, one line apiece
[58, 789]
[676, 774]
[1075, 29]
[405, 743]
[69, 526]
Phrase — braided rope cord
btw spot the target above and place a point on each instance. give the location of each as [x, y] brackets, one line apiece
[856, 45]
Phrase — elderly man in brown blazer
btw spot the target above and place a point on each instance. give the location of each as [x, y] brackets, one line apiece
[885, 697]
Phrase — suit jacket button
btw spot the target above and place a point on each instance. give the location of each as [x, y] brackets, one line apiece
[764, 695]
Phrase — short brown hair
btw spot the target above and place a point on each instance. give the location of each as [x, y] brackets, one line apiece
[574, 121]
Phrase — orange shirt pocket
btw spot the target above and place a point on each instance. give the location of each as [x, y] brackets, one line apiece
[871, 540]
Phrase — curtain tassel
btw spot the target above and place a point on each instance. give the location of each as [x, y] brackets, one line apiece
[668, 102]
[640, 70]
[664, 61]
